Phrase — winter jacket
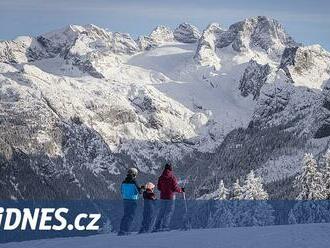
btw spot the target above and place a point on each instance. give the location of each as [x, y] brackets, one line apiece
[149, 208]
[149, 195]
[130, 189]
[168, 185]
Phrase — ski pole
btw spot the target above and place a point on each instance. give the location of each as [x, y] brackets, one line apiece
[185, 202]
[186, 223]
[184, 196]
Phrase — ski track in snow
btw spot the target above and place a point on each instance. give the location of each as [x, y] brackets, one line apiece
[289, 236]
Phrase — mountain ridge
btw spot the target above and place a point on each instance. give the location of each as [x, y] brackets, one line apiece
[83, 104]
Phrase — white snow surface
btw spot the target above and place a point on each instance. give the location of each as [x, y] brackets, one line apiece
[289, 236]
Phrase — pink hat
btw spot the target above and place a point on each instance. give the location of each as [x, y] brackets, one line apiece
[150, 186]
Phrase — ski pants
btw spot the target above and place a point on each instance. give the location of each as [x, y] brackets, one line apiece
[148, 216]
[129, 213]
[165, 214]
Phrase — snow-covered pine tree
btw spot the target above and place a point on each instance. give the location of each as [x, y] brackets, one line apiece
[236, 196]
[304, 212]
[222, 192]
[292, 218]
[309, 181]
[254, 210]
[221, 216]
[253, 188]
[237, 191]
[326, 175]
[311, 185]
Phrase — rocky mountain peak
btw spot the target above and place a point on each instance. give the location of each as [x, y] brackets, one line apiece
[162, 34]
[83, 39]
[187, 33]
[257, 32]
[21, 50]
[145, 43]
[206, 49]
[253, 37]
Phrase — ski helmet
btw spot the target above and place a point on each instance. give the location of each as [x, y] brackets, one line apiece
[150, 186]
[133, 171]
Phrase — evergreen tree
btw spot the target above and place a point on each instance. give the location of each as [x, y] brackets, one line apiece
[326, 175]
[254, 210]
[222, 192]
[253, 188]
[292, 219]
[304, 212]
[312, 185]
[237, 191]
[222, 216]
[309, 181]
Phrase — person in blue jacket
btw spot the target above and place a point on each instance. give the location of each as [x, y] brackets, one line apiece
[130, 191]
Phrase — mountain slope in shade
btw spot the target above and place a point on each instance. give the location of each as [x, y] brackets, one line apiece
[186, 33]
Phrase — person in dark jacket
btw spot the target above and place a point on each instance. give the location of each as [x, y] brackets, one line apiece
[168, 186]
[130, 191]
[149, 208]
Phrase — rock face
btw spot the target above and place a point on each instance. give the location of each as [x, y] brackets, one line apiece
[283, 105]
[253, 37]
[79, 45]
[324, 127]
[206, 49]
[186, 33]
[80, 105]
[258, 32]
[162, 34]
[145, 43]
[21, 50]
[80, 40]
[253, 78]
[310, 63]
[84, 45]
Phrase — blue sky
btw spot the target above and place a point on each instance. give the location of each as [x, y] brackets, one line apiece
[308, 21]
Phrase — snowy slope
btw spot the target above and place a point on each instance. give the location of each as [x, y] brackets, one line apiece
[291, 236]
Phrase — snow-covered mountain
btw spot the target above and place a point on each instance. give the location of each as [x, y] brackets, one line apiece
[80, 105]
